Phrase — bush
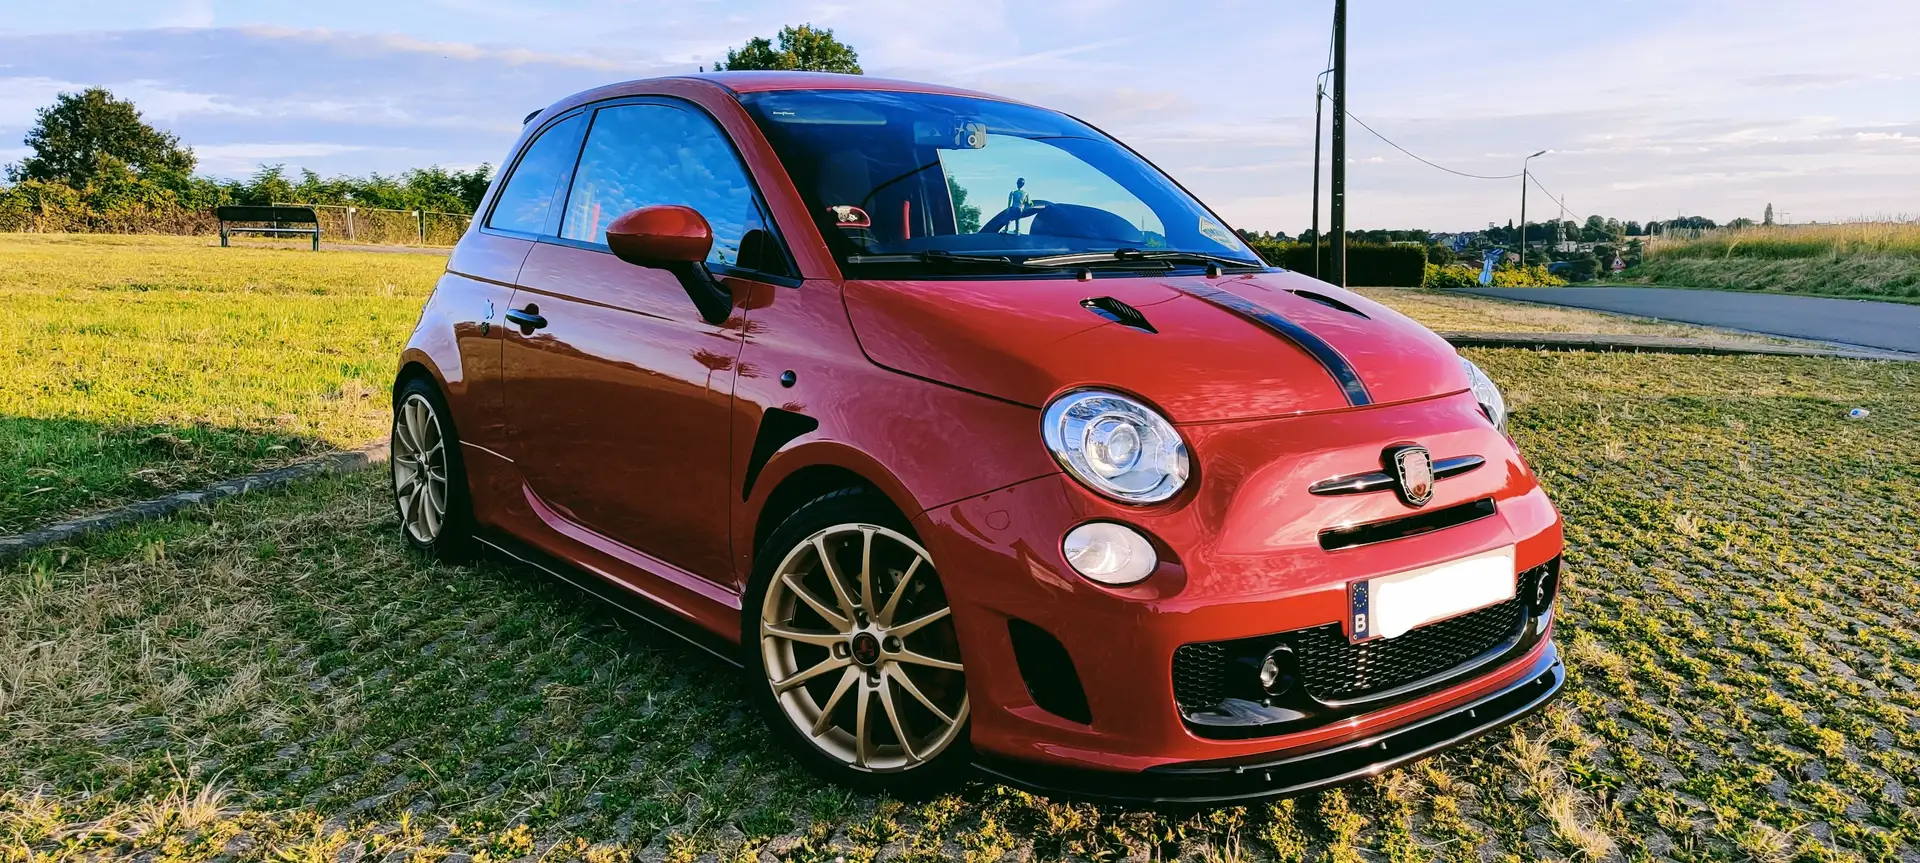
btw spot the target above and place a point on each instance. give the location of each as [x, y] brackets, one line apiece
[1452, 276]
[41, 207]
[1440, 255]
[1535, 276]
[1367, 265]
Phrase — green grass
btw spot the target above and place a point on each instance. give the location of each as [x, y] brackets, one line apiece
[1892, 278]
[134, 366]
[276, 678]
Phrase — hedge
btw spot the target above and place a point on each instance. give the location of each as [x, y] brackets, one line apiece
[1368, 266]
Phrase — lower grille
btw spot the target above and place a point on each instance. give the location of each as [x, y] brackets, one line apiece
[1329, 668]
[1335, 669]
[1200, 675]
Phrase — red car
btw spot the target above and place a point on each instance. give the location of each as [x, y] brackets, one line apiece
[978, 442]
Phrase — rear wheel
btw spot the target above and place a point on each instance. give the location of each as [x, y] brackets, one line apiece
[851, 639]
[429, 478]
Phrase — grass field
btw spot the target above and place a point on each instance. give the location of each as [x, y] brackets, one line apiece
[277, 679]
[1867, 260]
[135, 366]
[139, 365]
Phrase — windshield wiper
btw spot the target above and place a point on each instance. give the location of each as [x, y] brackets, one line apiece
[1129, 256]
[936, 256]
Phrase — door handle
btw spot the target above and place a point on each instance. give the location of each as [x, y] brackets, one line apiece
[527, 319]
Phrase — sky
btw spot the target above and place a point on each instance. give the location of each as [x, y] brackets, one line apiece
[1649, 108]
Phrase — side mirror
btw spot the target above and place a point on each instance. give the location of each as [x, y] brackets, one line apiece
[676, 239]
[659, 235]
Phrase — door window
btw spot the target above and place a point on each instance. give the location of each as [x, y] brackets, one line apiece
[640, 155]
[527, 199]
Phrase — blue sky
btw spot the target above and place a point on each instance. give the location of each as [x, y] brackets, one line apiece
[1711, 107]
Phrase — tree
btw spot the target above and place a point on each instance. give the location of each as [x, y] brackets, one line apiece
[91, 135]
[966, 217]
[1742, 222]
[1768, 218]
[805, 47]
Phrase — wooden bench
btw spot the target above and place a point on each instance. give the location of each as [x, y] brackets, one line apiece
[277, 215]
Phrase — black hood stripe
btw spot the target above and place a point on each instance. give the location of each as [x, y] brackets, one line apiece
[1327, 355]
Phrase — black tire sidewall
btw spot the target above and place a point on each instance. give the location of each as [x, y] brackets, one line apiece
[847, 506]
[454, 543]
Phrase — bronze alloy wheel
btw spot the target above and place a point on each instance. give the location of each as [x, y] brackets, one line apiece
[860, 651]
[419, 455]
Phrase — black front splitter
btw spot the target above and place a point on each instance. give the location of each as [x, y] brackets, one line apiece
[1268, 777]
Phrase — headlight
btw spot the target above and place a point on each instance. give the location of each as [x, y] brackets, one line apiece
[1487, 394]
[1116, 446]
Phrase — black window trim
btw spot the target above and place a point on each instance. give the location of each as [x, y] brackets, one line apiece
[552, 237]
[555, 201]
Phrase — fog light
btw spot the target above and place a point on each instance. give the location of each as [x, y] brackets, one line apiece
[1276, 671]
[1545, 587]
[1109, 553]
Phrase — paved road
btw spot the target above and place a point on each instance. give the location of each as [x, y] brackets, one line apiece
[1887, 326]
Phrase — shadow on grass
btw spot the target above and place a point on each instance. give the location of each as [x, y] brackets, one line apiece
[56, 468]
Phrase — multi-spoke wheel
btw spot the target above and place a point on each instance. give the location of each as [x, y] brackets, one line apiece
[419, 455]
[429, 487]
[854, 636]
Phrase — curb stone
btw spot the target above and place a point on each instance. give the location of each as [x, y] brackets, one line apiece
[349, 461]
[1657, 344]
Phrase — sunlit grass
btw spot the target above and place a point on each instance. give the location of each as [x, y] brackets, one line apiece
[278, 679]
[131, 366]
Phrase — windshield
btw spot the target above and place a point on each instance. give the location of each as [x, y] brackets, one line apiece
[901, 182]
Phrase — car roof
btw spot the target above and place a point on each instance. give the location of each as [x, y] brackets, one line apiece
[761, 81]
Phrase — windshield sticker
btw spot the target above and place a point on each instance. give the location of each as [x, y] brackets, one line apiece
[849, 216]
[1216, 232]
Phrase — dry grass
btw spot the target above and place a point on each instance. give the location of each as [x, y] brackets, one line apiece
[1793, 241]
[1747, 688]
[1448, 312]
[1875, 260]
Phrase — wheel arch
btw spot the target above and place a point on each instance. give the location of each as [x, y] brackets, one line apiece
[798, 476]
[414, 364]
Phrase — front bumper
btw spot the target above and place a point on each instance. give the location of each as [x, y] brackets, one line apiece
[1249, 779]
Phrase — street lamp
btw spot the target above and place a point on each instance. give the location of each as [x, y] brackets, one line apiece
[1523, 206]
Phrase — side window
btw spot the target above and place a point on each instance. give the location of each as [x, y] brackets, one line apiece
[640, 155]
[528, 197]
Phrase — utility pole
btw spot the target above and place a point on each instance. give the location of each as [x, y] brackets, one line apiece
[1319, 97]
[1523, 205]
[1338, 218]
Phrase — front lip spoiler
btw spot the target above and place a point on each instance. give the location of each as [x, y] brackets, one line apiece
[1265, 777]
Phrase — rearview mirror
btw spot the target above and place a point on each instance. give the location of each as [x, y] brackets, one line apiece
[660, 235]
[676, 239]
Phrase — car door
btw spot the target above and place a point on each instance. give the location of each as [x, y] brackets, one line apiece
[477, 289]
[618, 401]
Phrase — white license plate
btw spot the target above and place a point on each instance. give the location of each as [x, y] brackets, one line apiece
[1389, 606]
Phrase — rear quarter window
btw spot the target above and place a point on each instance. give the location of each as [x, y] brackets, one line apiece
[526, 202]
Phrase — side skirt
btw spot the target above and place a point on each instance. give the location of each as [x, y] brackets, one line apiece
[612, 595]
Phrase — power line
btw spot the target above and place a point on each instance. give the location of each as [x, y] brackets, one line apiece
[1416, 157]
[1543, 191]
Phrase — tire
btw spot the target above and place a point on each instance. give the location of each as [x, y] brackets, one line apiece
[435, 505]
[896, 655]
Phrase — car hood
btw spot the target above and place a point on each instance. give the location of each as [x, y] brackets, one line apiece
[1260, 345]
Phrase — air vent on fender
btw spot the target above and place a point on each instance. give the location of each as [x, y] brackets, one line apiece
[1119, 313]
[1327, 301]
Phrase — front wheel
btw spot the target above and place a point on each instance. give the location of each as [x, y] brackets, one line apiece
[852, 647]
